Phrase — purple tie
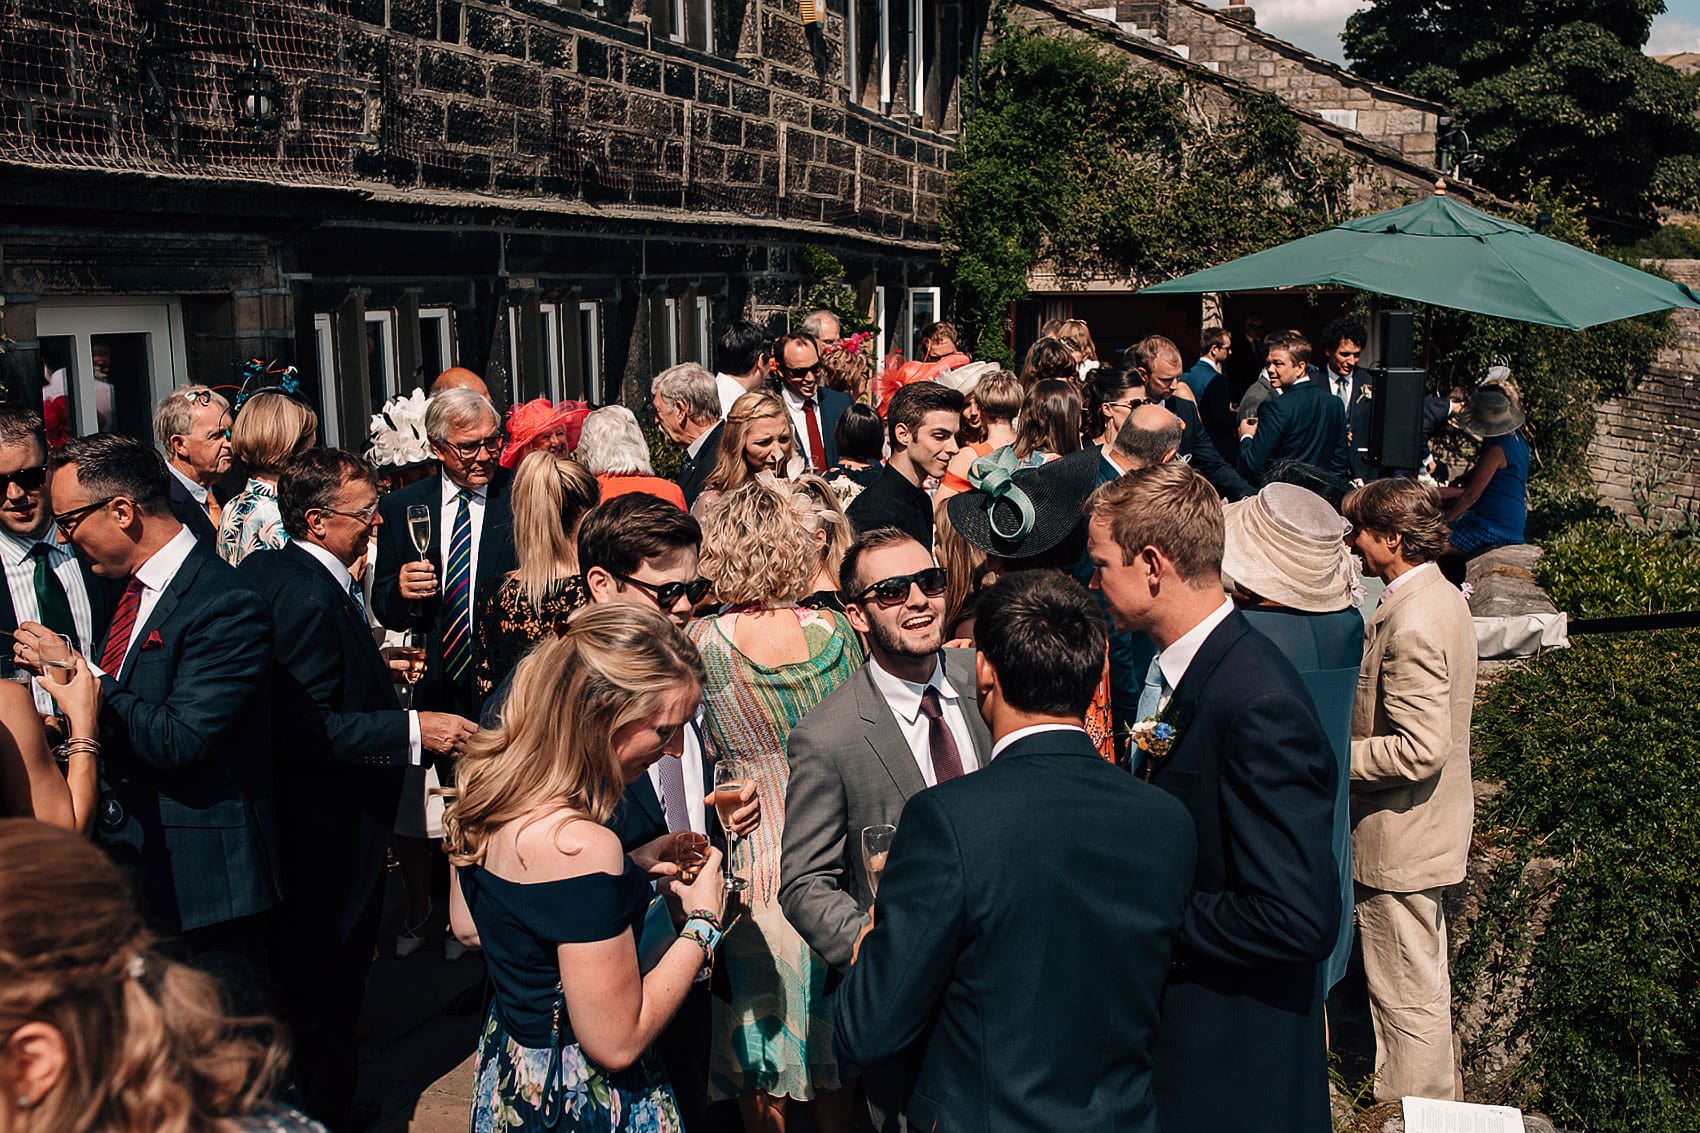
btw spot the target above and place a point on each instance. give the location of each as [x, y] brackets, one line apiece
[947, 761]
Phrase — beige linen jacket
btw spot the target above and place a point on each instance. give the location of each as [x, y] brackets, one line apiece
[1411, 802]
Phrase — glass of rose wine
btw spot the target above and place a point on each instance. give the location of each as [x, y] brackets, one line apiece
[731, 776]
[407, 662]
[876, 844]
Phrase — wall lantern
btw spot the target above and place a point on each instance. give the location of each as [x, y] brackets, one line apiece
[258, 96]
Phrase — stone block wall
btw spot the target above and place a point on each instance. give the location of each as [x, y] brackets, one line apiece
[1651, 437]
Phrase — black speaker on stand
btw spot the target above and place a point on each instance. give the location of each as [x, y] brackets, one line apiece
[1396, 442]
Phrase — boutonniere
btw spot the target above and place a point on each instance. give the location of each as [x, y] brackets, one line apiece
[153, 640]
[1155, 738]
[1365, 392]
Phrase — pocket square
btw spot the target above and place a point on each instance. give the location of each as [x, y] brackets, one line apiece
[152, 640]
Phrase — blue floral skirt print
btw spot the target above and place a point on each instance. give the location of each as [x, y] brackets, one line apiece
[508, 1094]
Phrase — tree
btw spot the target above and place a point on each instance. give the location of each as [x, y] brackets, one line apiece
[1554, 89]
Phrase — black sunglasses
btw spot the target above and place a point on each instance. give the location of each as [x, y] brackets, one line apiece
[667, 594]
[69, 521]
[895, 590]
[27, 479]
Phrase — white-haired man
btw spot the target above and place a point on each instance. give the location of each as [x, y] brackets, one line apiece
[687, 406]
[192, 426]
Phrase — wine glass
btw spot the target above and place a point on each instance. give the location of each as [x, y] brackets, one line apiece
[58, 662]
[407, 661]
[731, 776]
[689, 851]
[876, 845]
[419, 527]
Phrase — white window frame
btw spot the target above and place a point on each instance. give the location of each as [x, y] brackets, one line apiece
[443, 332]
[883, 8]
[679, 12]
[672, 320]
[704, 313]
[159, 317]
[324, 348]
[391, 376]
[882, 50]
[936, 294]
[590, 344]
[549, 322]
[917, 59]
[879, 321]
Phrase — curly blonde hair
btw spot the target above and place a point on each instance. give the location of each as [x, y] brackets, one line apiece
[149, 1047]
[758, 543]
[829, 519]
[552, 745]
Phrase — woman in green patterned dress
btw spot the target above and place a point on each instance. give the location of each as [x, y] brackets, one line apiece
[768, 662]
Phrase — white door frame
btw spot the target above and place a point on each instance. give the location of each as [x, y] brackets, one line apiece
[159, 317]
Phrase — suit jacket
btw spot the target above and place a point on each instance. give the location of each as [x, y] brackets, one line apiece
[1201, 377]
[1253, 766]
[1360, 421]
[640, 818]
[1200, 451]
[1412, 805]
[495, 558]
[190, 513]
[187, 751]
[1015, 927]
[342, 741]
[833, 403]
[1306, 423]
[851, 767]
[693, 471]
[102, 596]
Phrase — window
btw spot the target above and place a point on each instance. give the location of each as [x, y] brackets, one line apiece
[590, 350]
[324, 349]
[690, 22]
[549, 321]
[922, 13]
[923, 309]
[381, 378]
[704, 314]
[879, 318]
[670, 343]
[867, 52]
[436, 340]
[106, 363]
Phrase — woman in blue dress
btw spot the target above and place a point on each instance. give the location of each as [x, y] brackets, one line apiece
[543, 886]
[1495, 503]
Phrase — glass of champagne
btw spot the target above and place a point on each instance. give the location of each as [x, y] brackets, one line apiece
[419, 527]
[407, 661]
[876, 844]
[731, 776]
[58, 663]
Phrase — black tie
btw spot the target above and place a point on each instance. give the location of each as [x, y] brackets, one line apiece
[50, 597]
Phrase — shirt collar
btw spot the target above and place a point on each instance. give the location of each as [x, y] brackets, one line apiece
[195, 489]
[1387, 591]
[162, 566]
[695, 447]
[1177, 658]
[903, 696]
[18, 549]
[451, 490]
[329, 561]
[1032, 730]
[794, 399]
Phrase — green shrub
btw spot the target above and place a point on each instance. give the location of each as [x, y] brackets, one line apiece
[1604, 567]
[1598, 747]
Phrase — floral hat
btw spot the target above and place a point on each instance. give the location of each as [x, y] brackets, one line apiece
[397, 433]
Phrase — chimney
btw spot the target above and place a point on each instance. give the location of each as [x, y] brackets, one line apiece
[1241, 12]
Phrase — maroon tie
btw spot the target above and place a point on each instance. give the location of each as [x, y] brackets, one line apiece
[123, 621]
[947, 761]
[817, 447]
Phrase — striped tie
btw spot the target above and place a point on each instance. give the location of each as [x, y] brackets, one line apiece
[457, 632]
[123, 621]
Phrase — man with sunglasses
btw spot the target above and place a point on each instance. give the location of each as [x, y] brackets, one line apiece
[471, 543]
[46, 582]
[908, 720]
[1158, 361]
[814, 409]
[192, 425]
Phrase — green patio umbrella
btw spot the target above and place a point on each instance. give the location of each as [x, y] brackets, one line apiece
[1443, 252]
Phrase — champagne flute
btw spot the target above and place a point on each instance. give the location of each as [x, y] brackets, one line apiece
[407, 661]
[731, 776]
[876, 845]
[419, 527]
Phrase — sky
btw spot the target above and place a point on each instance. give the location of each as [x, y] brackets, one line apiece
[1315, 24]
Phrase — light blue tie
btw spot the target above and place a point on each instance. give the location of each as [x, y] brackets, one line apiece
[1151, 692]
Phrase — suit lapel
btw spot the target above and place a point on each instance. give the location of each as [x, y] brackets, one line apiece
[1183, 705]
[1399, 597]
[885, 738]
[162, 609]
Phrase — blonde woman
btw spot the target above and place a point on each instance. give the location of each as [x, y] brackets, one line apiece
[833, 536]
[270, 428]
[767, 663]
[542, 885]
[756, 438]
[550, 496]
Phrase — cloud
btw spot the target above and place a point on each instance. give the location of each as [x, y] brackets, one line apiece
[1671, 35]
[1314, 25]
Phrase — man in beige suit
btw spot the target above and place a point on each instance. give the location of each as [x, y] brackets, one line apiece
[1411, 802]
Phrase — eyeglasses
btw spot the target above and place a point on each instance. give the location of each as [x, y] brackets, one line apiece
[27, 479]
[895, 590]
[68, 521]
[1132, 402]
[667, 594]
[470, 449]
[364, 515]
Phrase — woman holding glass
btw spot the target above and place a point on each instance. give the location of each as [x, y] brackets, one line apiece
[768, 662]
[543, 886]
[30, 783]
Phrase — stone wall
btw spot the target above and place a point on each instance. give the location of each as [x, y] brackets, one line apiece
[1651, 437]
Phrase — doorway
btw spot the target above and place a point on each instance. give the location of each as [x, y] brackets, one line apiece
[105, 363]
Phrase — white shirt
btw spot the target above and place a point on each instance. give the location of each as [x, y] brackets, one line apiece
[199, 493]
[690, 760]
[154, 575]
[731, 389]
[904, 699]
[799, 424]
[695, 447]
[15, 553]
[1032, 730]
[344, 580]
[1341, 387]
[1177, 658]
[1387, 591]
[445, 532]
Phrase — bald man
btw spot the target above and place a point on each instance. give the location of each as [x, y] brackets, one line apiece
[459, 377]
[1150, 435]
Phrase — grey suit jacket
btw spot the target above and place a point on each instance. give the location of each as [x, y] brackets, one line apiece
[850, 768]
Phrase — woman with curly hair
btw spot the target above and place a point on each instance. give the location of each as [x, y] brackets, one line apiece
[756, 438]
[99, 1031]
[542, 885]
[768, 662]
[1078, 336]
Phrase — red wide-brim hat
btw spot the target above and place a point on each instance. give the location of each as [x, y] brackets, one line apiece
[531, 419]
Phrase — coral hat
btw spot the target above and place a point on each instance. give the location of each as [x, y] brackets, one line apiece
[532, 419]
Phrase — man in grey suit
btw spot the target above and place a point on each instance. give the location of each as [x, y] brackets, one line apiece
[907, 721]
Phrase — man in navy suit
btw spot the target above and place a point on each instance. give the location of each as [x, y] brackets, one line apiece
[1023, 931]
[192, 425]
[471, 544]
[1303, 422]
[687, 406]
[1215, 345]
[186, 758]
[1158, 361]
[342, 743]
[814, 409]
[1342, 347]
[1251, 762]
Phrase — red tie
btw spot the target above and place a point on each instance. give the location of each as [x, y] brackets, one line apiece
[941, 745]
[817, 447]
[123, 621]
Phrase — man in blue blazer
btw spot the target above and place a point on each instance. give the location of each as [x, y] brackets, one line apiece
[814, 409]
[342, 743]
[186, 759]
[1247, 756]
[1304, 422]
[1024, 930]
[471, 544]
